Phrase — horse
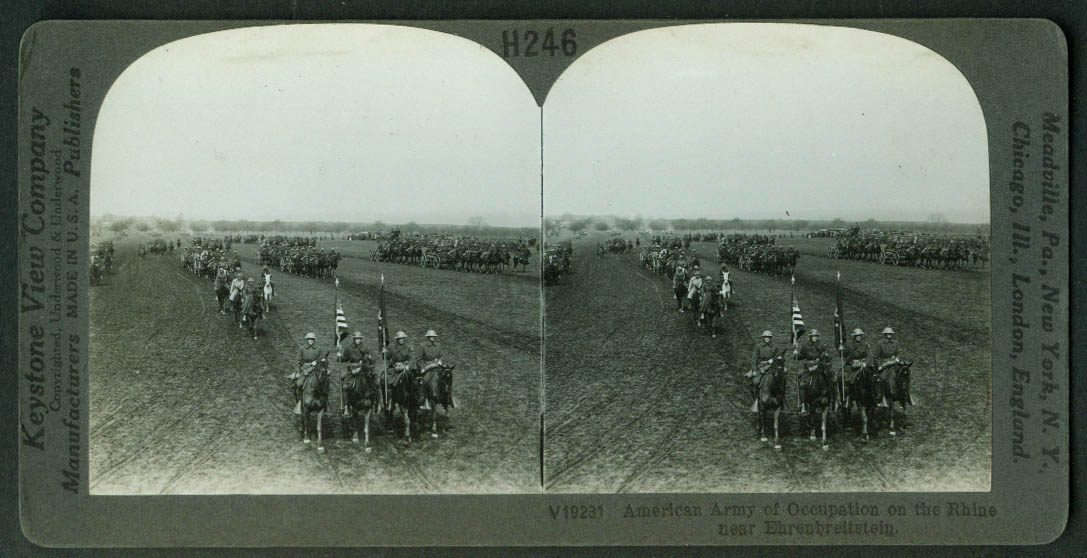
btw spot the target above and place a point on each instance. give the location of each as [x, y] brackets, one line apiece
[679, 286]
[311, 393]
[362, 395]
[709, 310]
[520, 258]
[895, 382]
[726, 290]
[269, 291]
[405, 391]
[770, 395]
[236, 308]
[818, 395]
[221, 294]
[860, 388]
[438, 389]
[253, 310]
[694, 295]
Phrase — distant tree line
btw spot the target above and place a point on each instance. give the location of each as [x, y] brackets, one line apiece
[605, 223]
[143, 224]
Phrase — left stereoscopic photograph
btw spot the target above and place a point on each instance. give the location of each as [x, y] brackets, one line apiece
[315, 267]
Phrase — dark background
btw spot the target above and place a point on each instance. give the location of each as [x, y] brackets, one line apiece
[19, 14]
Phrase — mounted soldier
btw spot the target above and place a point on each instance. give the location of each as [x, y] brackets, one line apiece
[762, 358]
[357, 357]
[808, 355]
[429, 357]
[222, 288]
[885, 355]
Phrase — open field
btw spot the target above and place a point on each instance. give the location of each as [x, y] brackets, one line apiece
[184, 403]
[639, 400]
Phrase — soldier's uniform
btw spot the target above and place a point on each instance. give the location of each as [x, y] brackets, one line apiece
[356, 355]
[399, 355]
[430, 353]
[856, 353]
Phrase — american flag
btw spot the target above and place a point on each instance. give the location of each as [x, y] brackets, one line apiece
[798, 319]
[341, 325]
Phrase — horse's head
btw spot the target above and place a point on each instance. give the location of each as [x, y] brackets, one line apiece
[902, 376]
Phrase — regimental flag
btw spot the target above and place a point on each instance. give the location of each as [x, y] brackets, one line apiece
[382, 317]
[797, 318]
[839, 319]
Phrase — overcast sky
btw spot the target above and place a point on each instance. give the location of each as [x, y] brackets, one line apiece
[753, 120]
[333, 122]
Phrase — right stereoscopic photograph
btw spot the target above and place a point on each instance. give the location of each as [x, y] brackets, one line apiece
[766, 266]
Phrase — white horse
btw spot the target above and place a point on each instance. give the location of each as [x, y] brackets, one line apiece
[726, 290]
[269, 291]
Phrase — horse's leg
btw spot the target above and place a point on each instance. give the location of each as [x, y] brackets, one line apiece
[434, 420]
[777, 442]
[366, 428]
[305, 425]
[320, 444]
[825, 446]
[891, 410]
[864, 423]
[762, 425]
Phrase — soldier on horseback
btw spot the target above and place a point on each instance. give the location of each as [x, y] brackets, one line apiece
[357, 357]
[221, 288]
[309, 357]
[808, 355]
[763, 358]
[236, 286]
[884, 357]
[430, 356]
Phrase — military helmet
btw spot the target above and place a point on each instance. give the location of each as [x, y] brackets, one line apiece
[357, 335]
[311, 335]
[401, 335]
[431, 333]
[857, 331]
[767, 334]
[813, 333]
[888, 330]
[238, 275]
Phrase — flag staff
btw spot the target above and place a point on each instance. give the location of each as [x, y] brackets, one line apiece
[336, 336]
[793, 307]
[841, 328]
[383, 333]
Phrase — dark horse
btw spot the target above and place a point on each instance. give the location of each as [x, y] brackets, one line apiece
[311, 392]
[895, 382]
[710, 309]
[362, 395]
[679, 286]
[770, 395]
[438, 389]
[221, 293]
[236, 307]
[253, 310]
[818, 395]
[406, 392]
[860, 388]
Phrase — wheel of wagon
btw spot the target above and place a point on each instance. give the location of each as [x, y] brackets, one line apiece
[832, 252]
[892, 258]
